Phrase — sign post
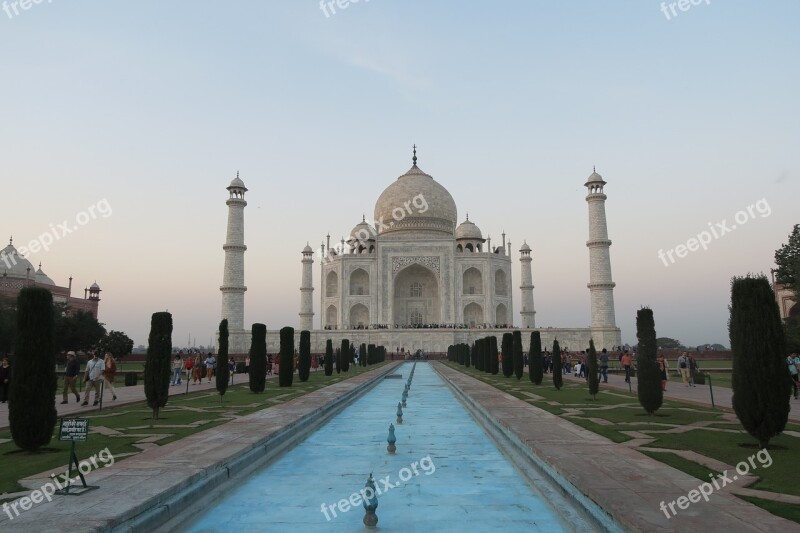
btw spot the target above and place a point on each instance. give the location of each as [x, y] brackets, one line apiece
[74, 430]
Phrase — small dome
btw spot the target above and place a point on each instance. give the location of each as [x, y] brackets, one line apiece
[525, 247]
[595, 178]
[18, 264]
[308, 249]
[237, 183]
[362, 232]
[468, 230]
[42, 278]
[94, 287]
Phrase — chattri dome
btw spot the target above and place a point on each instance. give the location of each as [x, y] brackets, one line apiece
[415, 203]
[468, 230]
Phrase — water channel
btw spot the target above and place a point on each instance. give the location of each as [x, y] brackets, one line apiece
[447, 474]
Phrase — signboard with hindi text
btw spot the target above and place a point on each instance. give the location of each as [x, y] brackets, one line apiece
[74, 429]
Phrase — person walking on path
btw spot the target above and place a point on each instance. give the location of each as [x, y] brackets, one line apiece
[683, 368]
[211, 363]
[93, 377]
[5, 380]
[71, 371]
[693, 367]
[177, 369]
[625, 361]
[603, 366]
[794, 371]
[197, 370]
[109, 373]
[188, 365]
[664, 368]
[231, 369]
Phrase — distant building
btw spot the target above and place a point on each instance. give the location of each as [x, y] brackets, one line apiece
[17, 272]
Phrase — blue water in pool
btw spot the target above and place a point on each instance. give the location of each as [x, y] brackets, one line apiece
[462, 481]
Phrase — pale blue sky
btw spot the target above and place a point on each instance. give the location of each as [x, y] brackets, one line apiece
[154, 106]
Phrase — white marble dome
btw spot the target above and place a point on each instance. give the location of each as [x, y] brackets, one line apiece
[18, 264]
[415, 203]
[362, 232]
[42, 278]
[468, 230]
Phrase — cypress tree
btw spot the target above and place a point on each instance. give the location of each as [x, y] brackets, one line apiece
[329, 358]
[286, 369]
[494, 363]
[648, 374]
[371, 354]
[535, 363]
[594, 379]
[223, 372]
[337, 360]
[157, 367]
[345, 351]
[304, 365]
[32, 387]
[760, 382]
[519, 362]
[558, 378]
[258, 358]
[508, 356]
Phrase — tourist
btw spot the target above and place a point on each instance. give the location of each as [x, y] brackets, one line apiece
[603, 366]
[793, 361]
[109, 372]
[625, 361]
[664, 368]
[247, 364]
[683, 368]
[5, 380]
[188, 365]
[211, 364]
[231, 370]
[177, 369]
[71, 371]
[693, 366]
[197, 369]
[93, 377]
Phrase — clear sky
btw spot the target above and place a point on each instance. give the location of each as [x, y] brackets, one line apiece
[152, 107]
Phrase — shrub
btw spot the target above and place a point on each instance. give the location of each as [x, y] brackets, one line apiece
[508, 355]
[223, 374]
[131, 379]
[304, 366]
[651, 396]
[760, 381]
[494, 363]
[535, 363]
[558, 378]
[345, 351]
[594, 379]
[31, 399]
[157, 368]
[258, 358]
[516, 349]
[286, 369]
[328, 357]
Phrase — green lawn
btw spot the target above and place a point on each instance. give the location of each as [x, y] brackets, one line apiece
[574, 403]
[191, 413]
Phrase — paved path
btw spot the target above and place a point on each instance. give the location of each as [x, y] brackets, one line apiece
[676, 390]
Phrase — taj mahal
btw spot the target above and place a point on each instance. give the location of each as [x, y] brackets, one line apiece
[416, 278]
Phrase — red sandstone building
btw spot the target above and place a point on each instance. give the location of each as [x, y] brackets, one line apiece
[17, 272]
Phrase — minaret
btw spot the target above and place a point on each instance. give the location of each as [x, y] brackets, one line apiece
[528, 312]
[307, 291]
[233, 276]
[600, 285]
